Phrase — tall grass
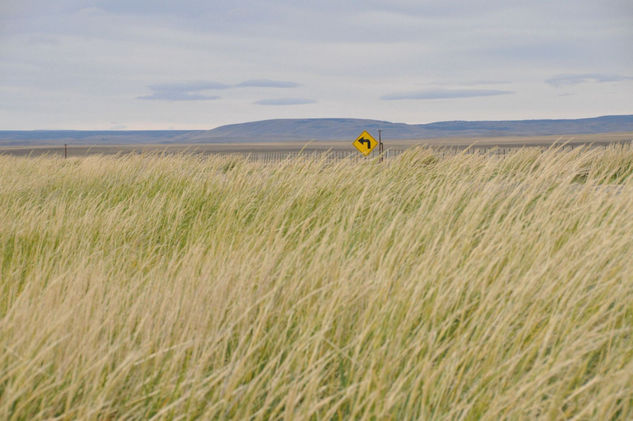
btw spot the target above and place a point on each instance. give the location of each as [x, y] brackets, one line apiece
[160, 287]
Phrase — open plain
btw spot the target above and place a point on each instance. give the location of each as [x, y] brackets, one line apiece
[344, 146]
[189, 286]
[316, 210]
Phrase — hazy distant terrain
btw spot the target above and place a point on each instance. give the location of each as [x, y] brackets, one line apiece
[323, 129]
[335, 128]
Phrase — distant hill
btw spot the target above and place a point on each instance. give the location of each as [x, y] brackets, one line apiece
[325, 129]
[346, 128]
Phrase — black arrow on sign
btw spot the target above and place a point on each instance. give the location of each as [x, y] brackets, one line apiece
[367, 142]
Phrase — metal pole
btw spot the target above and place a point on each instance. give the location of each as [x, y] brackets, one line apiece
[65, 151]
[380, 145]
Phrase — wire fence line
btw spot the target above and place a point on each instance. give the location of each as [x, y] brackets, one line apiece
[440, 151]
[328, 155]
[261, 154]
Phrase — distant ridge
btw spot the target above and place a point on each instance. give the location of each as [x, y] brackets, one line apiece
[346, 128]
[316, 129]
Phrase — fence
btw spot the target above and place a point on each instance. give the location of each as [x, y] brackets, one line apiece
[328, 155]
[440, 151]
[273, 156]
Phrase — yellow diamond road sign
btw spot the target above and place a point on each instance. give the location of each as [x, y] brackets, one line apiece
[365, 143]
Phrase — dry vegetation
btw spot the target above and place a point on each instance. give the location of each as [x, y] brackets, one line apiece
[257, 148]
[144, 287]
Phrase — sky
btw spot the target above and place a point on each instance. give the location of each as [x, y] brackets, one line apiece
[199, 64]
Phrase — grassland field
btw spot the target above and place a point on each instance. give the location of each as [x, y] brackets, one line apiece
[146, 286]
[289, 147]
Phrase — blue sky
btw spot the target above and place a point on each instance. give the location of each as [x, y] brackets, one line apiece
[194, 64]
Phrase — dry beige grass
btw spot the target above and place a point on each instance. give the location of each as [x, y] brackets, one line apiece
[182, 287]
[258, 148]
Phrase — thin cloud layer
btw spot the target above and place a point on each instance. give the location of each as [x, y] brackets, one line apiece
[576, 79]
[266, 83]
[285, 101]
[177, 96]
[186, 91]
[84, 63]
[445, 94]
[192, 91]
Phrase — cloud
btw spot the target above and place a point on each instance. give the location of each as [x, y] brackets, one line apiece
[68, 63]
[445, 94]
[43, 40]
[266, 83]
[194, 91]
[191, 86]
[185, 91]
[575, 79]
[177, 96]
[285, 101]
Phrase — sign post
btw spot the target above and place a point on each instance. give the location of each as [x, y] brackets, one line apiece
[365, 143]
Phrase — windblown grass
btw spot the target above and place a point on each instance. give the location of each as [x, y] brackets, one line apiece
[180, 287]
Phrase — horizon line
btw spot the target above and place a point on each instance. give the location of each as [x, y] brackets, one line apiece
[123, 130]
